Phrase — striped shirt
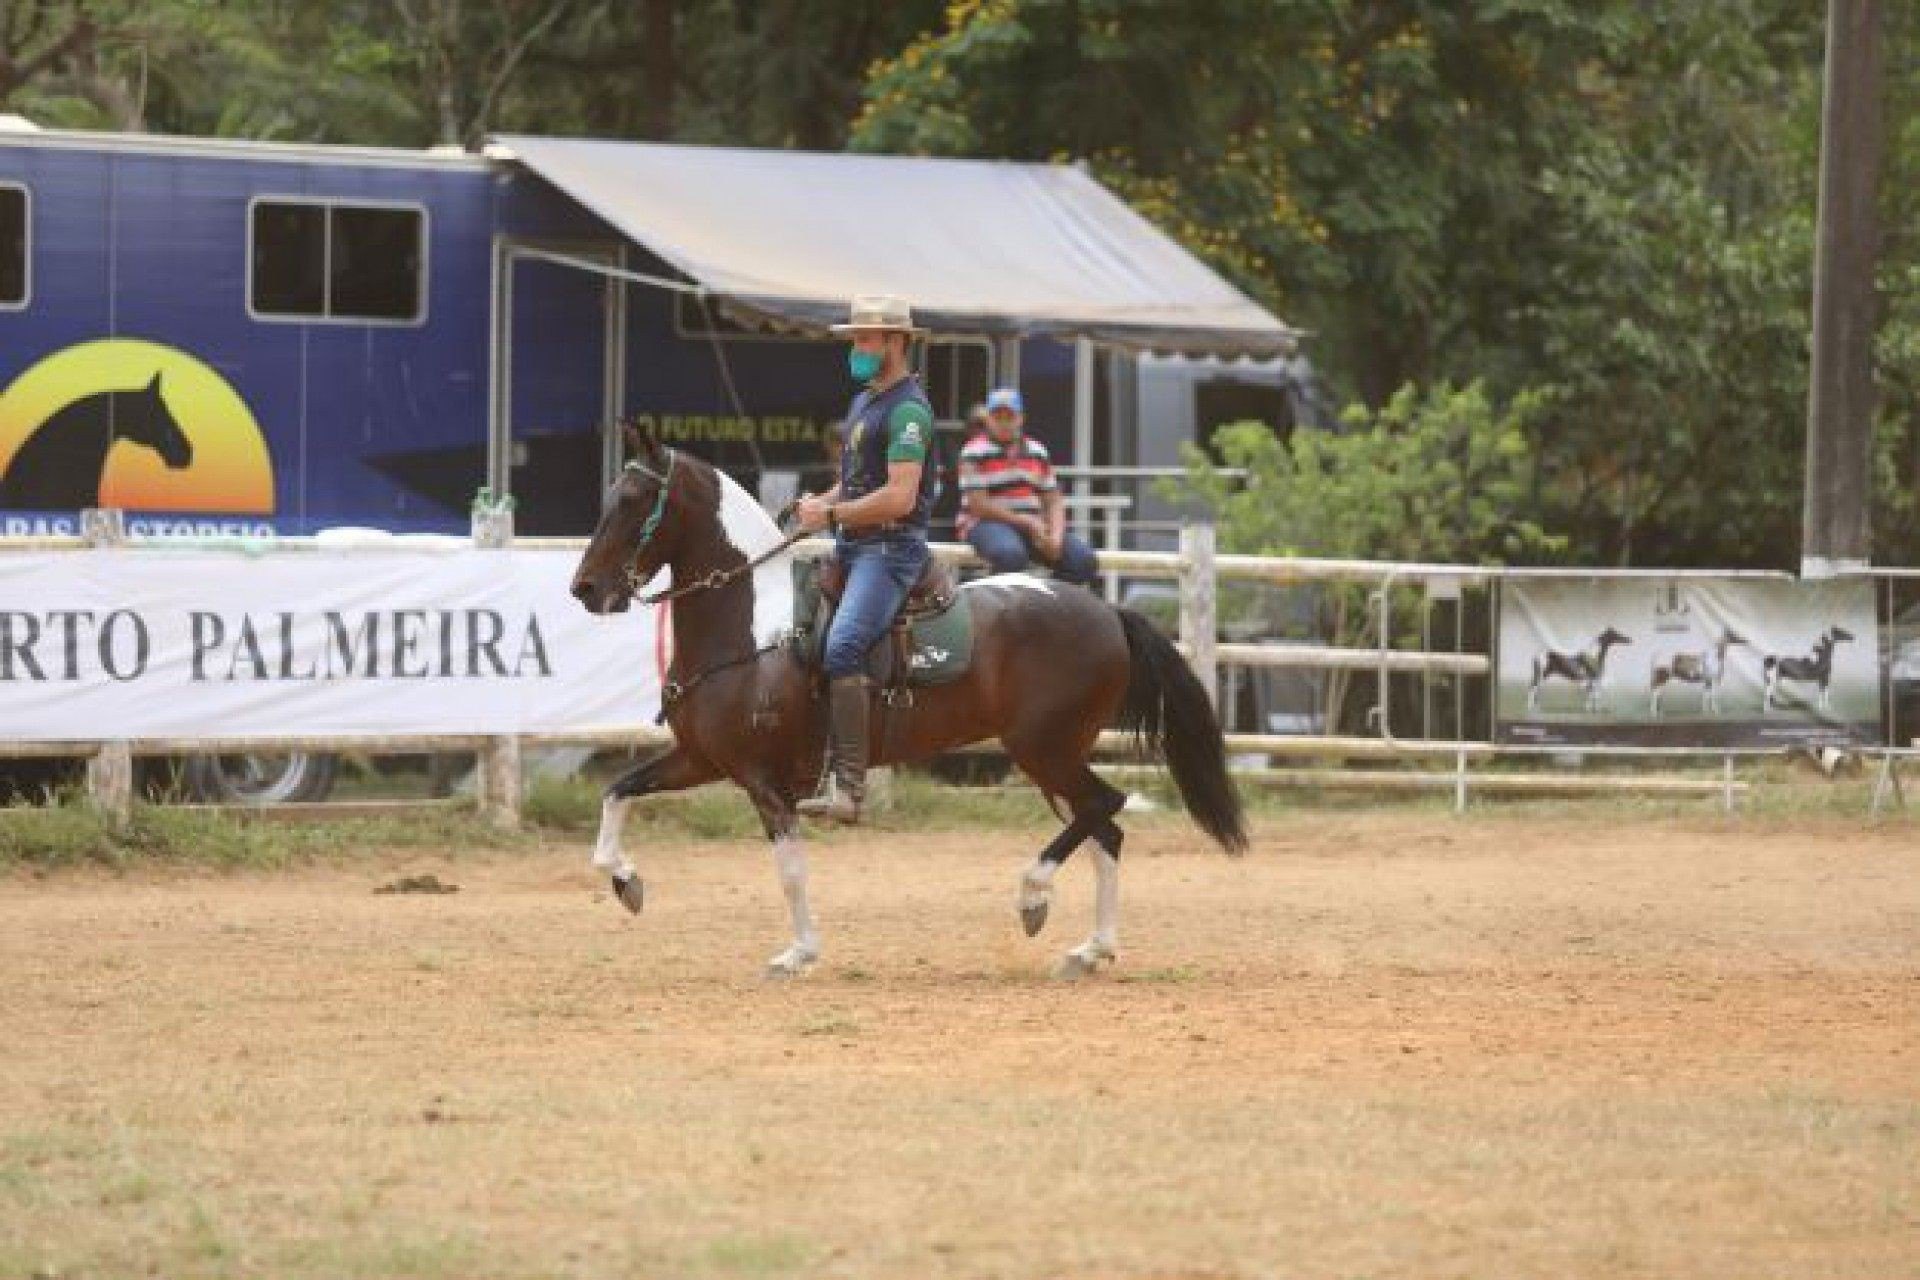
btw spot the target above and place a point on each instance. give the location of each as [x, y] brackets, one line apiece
[1013, 475]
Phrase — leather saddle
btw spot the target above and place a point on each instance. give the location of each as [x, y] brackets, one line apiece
[930, 640]
[932, 593]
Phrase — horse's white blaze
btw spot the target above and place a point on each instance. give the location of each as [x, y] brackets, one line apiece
[752, 532]
[1023, 581]
[607, 854]
[791, 860]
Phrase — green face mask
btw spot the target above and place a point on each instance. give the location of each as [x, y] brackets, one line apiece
[864, 365]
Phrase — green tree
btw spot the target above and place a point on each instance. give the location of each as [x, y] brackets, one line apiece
[1442, 476]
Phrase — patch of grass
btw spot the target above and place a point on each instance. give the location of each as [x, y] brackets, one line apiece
[73, 834]
[448, 1254]
[1174, 975]
[572, 805]
[831, 1022]
[561, 804]
[922, 803]
[67, 832]
[755, 1255]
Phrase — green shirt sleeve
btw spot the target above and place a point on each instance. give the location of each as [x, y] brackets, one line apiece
[909, 433]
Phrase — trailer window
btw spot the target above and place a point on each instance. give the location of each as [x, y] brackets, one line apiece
[376, 263]
[336, 261]
[290, 259]
[13, 246]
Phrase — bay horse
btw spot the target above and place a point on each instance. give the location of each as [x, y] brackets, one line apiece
[1053, 665]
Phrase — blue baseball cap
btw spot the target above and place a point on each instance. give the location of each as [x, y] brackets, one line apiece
[1006, 398]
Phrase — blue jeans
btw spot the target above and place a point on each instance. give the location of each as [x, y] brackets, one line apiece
[1005, 549]
[879, 575]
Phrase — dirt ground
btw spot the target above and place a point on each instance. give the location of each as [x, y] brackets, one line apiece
[1381, 1045]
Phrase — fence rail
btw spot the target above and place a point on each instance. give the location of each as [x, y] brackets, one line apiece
[1197, 570]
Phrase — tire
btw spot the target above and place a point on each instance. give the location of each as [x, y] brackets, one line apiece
[262, 779]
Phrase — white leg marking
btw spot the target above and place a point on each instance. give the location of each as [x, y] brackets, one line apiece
[607, 855]
[791, 859]
[1104, 945]
[1036, 884]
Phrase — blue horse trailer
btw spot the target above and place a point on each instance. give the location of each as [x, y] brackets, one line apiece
[228, 337]
[320, 323]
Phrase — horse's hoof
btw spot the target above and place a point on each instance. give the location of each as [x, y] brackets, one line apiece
[1075, 965]
[791, 963]
[1072, 967]
[631, 891]
[1034, 918]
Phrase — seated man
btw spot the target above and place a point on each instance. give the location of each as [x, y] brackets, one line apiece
[1011, 510]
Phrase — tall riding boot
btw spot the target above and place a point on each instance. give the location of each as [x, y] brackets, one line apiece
[846, 788]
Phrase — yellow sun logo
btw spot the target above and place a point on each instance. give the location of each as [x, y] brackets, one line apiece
[122, 422]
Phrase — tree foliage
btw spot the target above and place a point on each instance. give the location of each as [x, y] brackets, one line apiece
[1433, 475]
[1602, 209]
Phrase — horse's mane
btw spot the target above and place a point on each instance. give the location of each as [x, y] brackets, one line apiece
[748, 526]
[745, 520]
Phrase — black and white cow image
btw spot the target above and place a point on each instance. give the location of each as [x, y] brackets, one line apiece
[1704, 667]
[1586, 668]
[1815, 668]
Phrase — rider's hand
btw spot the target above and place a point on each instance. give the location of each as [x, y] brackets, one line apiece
[811, 512]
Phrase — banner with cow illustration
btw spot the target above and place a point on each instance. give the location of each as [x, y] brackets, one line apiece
[163, 642]
[1688, 662]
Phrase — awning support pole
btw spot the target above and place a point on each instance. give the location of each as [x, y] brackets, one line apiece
[1082, 430]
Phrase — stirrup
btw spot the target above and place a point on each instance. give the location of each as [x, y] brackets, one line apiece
[834, 804]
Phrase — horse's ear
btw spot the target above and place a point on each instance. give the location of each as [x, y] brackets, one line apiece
[641, 441]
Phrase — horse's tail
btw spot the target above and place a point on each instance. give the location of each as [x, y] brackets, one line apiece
[1167, 711]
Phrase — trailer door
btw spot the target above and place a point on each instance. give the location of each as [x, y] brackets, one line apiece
[558, 385]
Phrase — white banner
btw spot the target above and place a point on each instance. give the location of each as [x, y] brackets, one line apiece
[1693, 662]
[152, 643]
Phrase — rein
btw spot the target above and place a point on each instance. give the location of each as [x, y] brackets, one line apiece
[708, 582]
[674, 691]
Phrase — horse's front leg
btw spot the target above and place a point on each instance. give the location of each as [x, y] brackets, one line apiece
[671, 770]
[782, 824]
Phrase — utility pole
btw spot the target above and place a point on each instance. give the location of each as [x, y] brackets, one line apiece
[1836, 533]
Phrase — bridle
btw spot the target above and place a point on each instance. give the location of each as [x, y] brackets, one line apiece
[674, 690]
[707, 582]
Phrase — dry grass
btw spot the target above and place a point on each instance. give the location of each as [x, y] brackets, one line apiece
[1393, 1045]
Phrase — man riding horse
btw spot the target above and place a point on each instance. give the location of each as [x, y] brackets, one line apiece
[878, 513]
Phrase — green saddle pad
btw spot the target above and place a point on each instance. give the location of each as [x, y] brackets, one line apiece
[939, 649]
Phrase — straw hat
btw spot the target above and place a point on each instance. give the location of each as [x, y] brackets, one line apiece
[879, 311]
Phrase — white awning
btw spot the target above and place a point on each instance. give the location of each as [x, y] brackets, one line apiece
[977, 247]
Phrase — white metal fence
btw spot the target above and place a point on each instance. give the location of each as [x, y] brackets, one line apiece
[1198, 572]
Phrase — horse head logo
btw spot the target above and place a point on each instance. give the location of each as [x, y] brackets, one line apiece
[59, 466]
[124, 422]
[142, 417]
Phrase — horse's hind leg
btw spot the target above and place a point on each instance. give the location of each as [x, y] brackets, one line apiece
[1093, 803]
[1103, 945]
[671, 770]
[1036, 883]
